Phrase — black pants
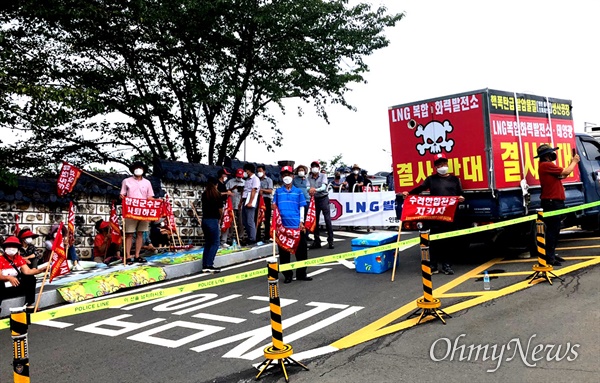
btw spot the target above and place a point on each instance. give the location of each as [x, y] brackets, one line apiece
[26, 288]
[552, 226]
[441, 249]
[322, 205]
[301, 255]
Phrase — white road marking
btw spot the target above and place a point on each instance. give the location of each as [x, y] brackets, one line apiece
[54, 323]
[282, 303]
[147, 336]
[219, 318]
[317, 272]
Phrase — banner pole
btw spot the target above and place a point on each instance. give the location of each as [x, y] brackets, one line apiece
[125, 255]
[235, 227]
[99, 179]
[396, 252]
[49, 267]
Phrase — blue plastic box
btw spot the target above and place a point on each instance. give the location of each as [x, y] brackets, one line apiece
[374, 263]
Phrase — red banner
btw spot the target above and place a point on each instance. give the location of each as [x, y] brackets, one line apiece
[168, 212]
[71, 224]
[17, 228]
[437, 208]
[287, 239]
[142, 209]
[261, 211]
[67, 178]
[311, 216]
[58, 260]
[227, 215]
[115, 229]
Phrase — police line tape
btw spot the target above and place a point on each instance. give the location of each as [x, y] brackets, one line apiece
[86, 307]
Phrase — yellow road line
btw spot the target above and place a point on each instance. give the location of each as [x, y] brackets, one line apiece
[582, 257]
[376, 329]
[578, 247]
[461, 295]
[511, 274]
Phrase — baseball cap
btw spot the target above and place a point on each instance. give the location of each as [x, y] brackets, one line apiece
[26, 233]
[288, 169]
[222, 171]
[440, 157]
[104, 225]
[315, 163]
[239, 173]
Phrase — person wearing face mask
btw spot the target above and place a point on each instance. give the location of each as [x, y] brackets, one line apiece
[266, 191]
[16, 277]
[28, 250]
[49, 240]
[236, 187]
[291, 204]
[441, 183]
[317, 183]
[136, 187]
[552, 196]
[222, 189]
[301, 182]
[250, 202]
[354, 181]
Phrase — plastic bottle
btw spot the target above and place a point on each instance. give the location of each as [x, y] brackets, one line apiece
[234, 245]
[486, 281]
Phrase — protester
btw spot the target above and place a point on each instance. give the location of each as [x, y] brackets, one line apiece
[212, 210]
[136, 187]
[317, 182]
[552, 196]
[236, 187]
[389, 180]
[266, 191]
[49, 240]
[291, 204]
[367, 183]
[354, 181]
[337, 184]
[301, 182]
[28, 250]
[225, 194]
[16, 277]
[159, 234]
[250, 202]
[105, 251]
[441, 183]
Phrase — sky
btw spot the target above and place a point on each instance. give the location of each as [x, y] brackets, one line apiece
[546, 48]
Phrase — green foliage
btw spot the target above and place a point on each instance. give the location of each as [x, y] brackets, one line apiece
[330, 166]
[99, 81]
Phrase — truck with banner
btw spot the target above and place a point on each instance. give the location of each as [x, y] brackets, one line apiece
[490, 138]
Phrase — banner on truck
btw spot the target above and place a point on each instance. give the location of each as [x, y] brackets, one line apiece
[362, 209]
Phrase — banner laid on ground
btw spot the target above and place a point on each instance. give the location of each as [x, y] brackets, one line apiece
[109, 283]
[362, 209]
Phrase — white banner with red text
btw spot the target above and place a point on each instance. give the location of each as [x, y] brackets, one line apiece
[362, 209]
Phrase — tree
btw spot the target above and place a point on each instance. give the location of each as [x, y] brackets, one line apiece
[330, 166]
[100, 80]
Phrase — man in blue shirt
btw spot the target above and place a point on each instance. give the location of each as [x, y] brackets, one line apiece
[291, 204]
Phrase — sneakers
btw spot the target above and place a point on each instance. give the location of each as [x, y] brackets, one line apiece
[446, 269]
[330, 246]
[225, 246]
[434, 269]
[211, 269]
[315, 245]
[77, 267]
[560, 259]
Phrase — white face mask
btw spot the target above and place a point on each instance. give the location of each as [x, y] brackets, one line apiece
[11, 250]
[442, 170]
[355, 172]
[245, 175]
[260, 174]
[287, 180]
[29, 241]
[138, 172]
[301, 173]
[315, 170]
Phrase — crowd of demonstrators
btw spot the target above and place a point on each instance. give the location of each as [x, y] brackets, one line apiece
[441, 183]
[16, 277]
[136, 186]
[266, 191]
[317, 183]
[552, 196]
[291, 203]
[212, 212]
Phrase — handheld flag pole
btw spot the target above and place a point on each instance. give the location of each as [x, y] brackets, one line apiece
[396, 253]
[37, 302]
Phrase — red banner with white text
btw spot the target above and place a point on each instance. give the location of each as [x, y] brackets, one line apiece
[227, 215]
[437, 208]
[287, 239]
[59, 263]
[115, 229]
[142, 209]
[67, 178]
[311, 217]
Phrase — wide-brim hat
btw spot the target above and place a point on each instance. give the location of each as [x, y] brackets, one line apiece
[544, 149]
[26, 233]
[138, 164]
[11, 241]
[355, 166]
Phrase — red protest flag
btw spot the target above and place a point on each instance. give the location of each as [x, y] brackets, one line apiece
[274, 219]
[261, 211]
[58, 260]
[227, 215]
[17, 228]
[142, 209]
[436, 208]
[311, 216]
[115, 229]
[67, 178]
[168, 212]
[71, 224]
[287, 239]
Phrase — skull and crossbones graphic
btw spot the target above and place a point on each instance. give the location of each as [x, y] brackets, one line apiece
[434, 137]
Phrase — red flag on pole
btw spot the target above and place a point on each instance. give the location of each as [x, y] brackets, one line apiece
[71, 224]
[115, 229]
[17, 228]
[168, 212]
[58, 260]
[67, 178]
[287, 239]
[311, 216]
[261, 211]
[227, 215]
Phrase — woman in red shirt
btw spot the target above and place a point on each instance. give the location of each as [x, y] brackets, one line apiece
[16, 278]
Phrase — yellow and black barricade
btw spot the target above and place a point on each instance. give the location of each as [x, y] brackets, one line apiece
[279, 351]
[19, 324]
[542, 269]
[428, 305]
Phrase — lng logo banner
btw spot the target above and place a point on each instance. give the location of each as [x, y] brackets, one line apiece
[362, 209]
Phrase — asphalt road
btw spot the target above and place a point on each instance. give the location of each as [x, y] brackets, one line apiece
[343, 325]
